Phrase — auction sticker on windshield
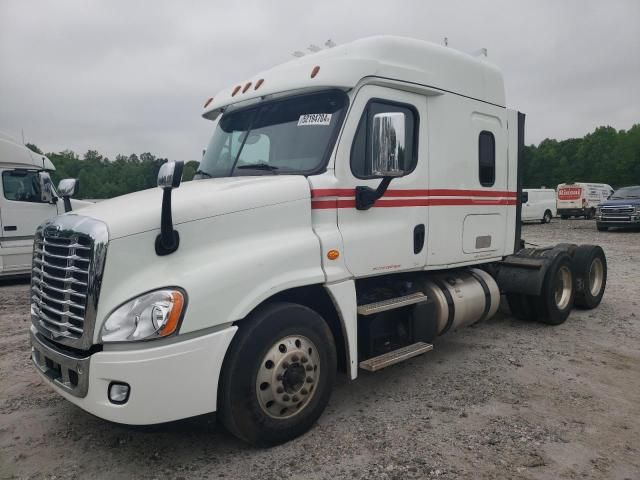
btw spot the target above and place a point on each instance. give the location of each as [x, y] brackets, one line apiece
[314, 119]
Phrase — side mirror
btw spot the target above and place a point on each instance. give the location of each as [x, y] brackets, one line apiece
[67, 188]
[169, 177]
[46, 190]
[388, 144]
[387, 154]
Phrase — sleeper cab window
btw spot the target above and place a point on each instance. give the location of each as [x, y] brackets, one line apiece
[364, 143]
[487, 158]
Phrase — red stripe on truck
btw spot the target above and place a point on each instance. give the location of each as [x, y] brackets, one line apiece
[413, 202]
[350, 192]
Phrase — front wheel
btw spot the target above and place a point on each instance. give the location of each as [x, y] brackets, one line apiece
[278, 374]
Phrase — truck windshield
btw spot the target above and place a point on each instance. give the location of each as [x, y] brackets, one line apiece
[626, 192]
[288, 136]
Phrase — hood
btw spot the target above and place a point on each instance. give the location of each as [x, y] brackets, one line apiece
[140, 211]
[622, 201]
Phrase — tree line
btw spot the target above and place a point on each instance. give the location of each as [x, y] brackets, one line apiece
[603, 156]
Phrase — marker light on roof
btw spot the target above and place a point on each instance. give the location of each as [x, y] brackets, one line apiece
[206, 104]
[315, 71]
[235, 90]
[258, 83]
[246, 87]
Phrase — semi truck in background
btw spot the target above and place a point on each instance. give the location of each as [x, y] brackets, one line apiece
[578, 199]
[538, 204]
[27, 198]
[351, 206]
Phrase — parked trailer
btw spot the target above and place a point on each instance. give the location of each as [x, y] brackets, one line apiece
[27, 198]
[333, 223]
[581, 199]
[538, 204]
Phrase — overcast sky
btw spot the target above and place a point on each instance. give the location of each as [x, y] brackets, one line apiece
[132, 76]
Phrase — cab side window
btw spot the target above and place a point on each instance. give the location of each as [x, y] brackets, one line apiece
[21, 186]
[363, 144]
[487, 158]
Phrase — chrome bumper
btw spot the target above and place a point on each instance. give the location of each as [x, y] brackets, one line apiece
[65, 370]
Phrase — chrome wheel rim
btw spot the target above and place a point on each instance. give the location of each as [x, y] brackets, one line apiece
[564, 287]
[596, 276]
[287, 377]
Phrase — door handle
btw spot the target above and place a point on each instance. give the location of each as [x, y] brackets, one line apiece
[10, 228]
[418, 238]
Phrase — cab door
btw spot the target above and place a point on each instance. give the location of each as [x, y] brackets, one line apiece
[21, 211]
[391, 235]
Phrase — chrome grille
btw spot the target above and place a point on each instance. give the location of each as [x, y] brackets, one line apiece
[68, 258]
[618, 210]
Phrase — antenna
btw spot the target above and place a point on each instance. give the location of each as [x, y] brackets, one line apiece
[482, 52]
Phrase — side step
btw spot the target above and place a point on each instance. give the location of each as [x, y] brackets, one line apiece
[390, 304]
[395, 356]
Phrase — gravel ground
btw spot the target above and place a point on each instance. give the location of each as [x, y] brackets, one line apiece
[502, 399]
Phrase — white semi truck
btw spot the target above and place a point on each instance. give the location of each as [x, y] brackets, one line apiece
[351, 206]
[27, 198]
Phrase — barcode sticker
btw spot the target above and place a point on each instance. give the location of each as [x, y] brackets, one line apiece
[314, 119]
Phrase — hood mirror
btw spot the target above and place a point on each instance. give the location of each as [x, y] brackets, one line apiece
[169, 177]
[67, 188]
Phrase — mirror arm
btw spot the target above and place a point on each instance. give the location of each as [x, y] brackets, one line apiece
[367, 196]
[67, 203]
[168, 239]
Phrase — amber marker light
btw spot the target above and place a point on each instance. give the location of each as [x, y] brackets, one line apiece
[315, 71]
[235, 90]
[177, 300]
[259, 84]
[333, 254]
[206, 104]
[246, 87]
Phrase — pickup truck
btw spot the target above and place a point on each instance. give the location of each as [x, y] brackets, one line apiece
[621, 209]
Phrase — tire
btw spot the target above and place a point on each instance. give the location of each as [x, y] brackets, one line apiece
[602, 228]
[590, 215]
[521, 306]
[555, 301]
[547, 217]
[279, 339]
[591, 275]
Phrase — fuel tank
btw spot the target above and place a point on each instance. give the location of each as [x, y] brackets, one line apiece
[461, 297]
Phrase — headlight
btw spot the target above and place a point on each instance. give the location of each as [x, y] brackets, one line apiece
[152, 315]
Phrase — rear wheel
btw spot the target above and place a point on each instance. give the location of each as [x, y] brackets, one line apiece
[555, 301]
[278, 374]
[547, 217]
[591, 275]
[590, 214]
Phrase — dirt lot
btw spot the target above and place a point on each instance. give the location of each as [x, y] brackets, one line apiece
[503, 399]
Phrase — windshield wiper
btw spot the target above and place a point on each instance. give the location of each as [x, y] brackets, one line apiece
[200, 172]
[258, 166]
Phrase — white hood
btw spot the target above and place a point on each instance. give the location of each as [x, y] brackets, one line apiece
[140, 211]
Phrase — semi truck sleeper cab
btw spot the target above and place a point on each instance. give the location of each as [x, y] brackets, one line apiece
[351, 206]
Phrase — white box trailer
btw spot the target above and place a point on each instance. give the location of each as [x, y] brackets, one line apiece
[578, 199]
[352, 205]
[538, 204]
[27, 198]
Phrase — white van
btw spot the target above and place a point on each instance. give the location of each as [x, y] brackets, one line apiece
[581, 199]
[538, 204]
[27, 198]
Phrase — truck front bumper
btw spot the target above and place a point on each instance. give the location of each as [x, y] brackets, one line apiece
[619, 221]
[167, 382]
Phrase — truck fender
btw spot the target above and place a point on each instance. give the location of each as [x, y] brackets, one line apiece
[343, 296]
[524, 271]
